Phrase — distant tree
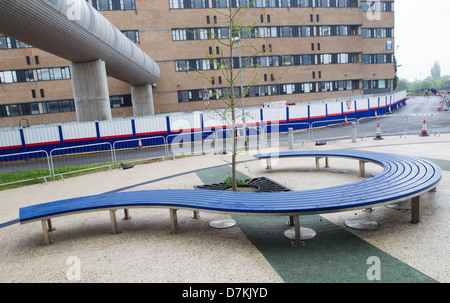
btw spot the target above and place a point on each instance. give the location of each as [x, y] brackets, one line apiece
[436, 71]
[402, 84]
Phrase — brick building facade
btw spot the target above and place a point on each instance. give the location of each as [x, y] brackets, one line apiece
[307, 50]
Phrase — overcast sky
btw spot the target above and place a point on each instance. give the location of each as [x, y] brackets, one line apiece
[422, 36]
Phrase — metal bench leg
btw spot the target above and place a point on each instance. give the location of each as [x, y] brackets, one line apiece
[196, 214]
[45, 230]
[269, 164]
[416, 208]
[112, 215]
[50, 225]
[291, 221]
[362, 168]
[174, 221]
[126, 214]
[317, 163]
[326, 162]
[297, 231]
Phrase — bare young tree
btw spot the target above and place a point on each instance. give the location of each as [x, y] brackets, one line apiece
[227, 101]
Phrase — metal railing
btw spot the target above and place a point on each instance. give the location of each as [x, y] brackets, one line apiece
[21, 167]
[186, 143]
[139, 149]
[73, 159]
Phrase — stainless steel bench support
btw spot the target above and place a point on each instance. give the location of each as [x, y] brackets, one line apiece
[318, 163]
[45, 230]
[126, 216]
[416, 208]
[112, 215]
[291, 221]
[269, 164]
[173, 221]
[297, 231]
[362, 168]
[196, 214]
[50, 225]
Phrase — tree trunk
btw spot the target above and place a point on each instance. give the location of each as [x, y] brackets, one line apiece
[233, 114]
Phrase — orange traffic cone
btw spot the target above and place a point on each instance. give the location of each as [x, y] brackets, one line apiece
[378, 136]
[424, 129]
[140, 143]
[345, 121]
[238, 135]
[389, 110]
[376, 115]
[440, 106]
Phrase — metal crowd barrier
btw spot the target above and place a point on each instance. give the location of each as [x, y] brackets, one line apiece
[139, 149]
[73, 159]
[21, 167]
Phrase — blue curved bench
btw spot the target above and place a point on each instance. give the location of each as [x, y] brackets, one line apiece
[403, 177]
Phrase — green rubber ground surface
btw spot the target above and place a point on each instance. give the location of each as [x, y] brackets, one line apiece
[334, 255]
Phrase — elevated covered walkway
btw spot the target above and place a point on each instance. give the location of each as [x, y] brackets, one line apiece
[75, 31]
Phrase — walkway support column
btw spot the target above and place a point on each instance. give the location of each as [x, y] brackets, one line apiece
[90, 91]
[142, 98]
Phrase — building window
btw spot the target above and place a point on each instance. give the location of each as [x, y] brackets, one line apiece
[103, 5]
[377, 32]
[36, 108]
[8, 77]
[182, 65]
[180, 4]
[59, 73]
[3, 44]
[221, 3]
[175, 4]
[133, 35]
[377, 6]
[127, 5]
[377, 58]
[10, 43]
[112, 5]
[54, 106]
[304, 3]
[179, 35]
[120, 101]
[270, 61]
[265, 32]
[30, 75]
[272, 89]
[376, 84]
